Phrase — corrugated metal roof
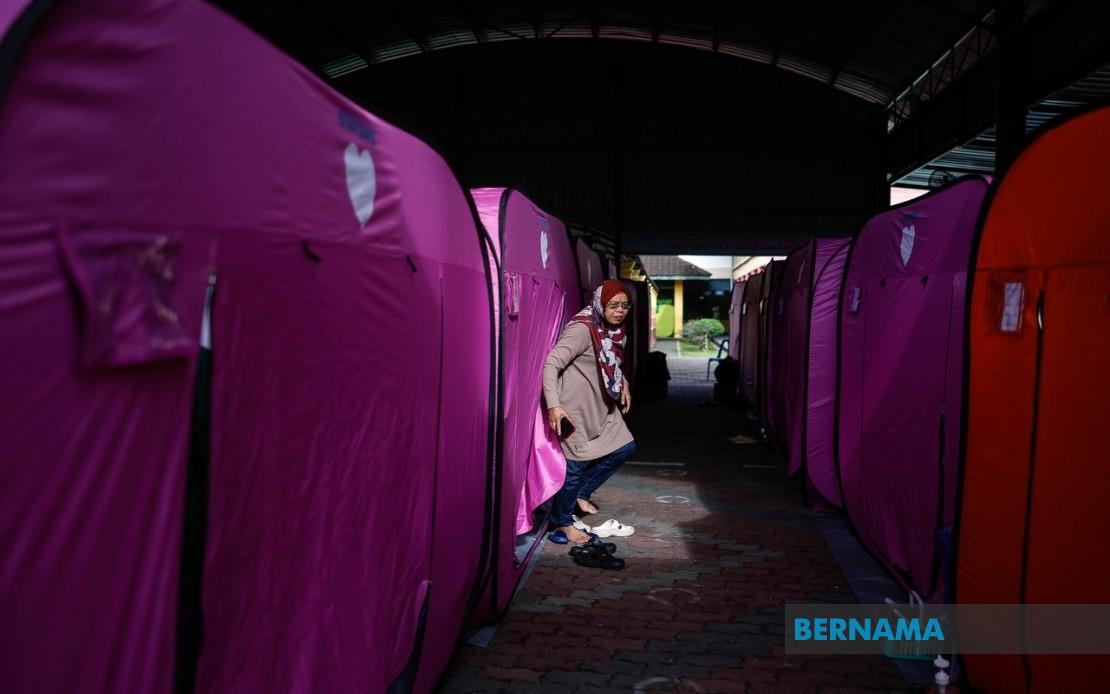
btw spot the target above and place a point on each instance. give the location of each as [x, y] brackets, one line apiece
[871, 49]
[977, 155]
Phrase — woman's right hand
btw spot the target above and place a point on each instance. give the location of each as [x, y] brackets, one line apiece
[553, 417]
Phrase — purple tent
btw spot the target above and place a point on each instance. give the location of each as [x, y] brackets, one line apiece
[901, 366]
[161, 163]
[591, 269]
[735, 316]
[811, 390]
[749, 338]
[539, 294]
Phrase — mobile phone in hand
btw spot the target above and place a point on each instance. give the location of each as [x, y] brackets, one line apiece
[565, 428]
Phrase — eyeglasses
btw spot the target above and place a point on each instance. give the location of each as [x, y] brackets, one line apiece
[614, 305]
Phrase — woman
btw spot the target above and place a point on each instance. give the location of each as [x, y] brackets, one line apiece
[583, 383]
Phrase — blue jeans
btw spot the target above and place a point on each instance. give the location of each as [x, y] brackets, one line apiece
[583, 479]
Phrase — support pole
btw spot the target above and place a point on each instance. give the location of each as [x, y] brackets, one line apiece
[1012, 82]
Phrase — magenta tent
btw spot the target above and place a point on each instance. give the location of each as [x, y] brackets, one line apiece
[539, 294]
[811, 392]
[735, 316]
[901, 370]
[197, 187]
[591, 269]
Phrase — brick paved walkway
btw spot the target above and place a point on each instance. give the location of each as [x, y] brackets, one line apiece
[721, 542]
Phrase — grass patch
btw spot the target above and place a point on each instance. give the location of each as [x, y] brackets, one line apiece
[689, 349]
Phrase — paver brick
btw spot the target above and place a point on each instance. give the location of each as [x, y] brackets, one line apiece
[700, 603]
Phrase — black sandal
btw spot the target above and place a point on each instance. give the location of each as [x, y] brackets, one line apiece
[594, 543]
[593, 557]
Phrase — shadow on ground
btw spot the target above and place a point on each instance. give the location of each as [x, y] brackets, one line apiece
[722, 542]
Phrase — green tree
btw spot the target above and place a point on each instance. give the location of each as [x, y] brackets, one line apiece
[699, 331]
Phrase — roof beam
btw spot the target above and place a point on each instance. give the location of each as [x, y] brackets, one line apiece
[718, 19]
[535, 13]
[865, 28]
[466, 14]
[399, 18]
[780, 42]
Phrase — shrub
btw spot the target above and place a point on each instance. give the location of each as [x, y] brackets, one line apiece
[699, 331]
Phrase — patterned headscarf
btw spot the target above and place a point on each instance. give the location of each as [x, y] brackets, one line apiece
[608, 341]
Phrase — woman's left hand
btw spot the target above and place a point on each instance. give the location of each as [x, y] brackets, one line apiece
[626, 398]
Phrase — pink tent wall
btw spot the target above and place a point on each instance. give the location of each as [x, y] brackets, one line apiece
[812, 435]
[901, 364]
[351, 338]
[540, 291]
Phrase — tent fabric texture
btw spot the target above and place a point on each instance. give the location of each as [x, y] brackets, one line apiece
[540, 292]
[901, 376]
[766, 340]
[1033, 523]
[735, 317]
[749, 338]
[786, 359]
[591, 270]
[120, 207]
[812, 432]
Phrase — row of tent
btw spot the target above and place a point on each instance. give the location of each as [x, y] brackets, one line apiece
[271, 377]
[942, 378]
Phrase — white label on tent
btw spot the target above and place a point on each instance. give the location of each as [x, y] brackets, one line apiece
[908, 234]
[514, 294]
[1011, 307]
[361, 181]
[743, 309]
[856, 296]
[543, 248]
[206, 317]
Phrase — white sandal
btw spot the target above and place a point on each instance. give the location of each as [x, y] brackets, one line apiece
[580, 525]
[613, 528]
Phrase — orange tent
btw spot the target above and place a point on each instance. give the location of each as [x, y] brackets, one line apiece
[1034, 526]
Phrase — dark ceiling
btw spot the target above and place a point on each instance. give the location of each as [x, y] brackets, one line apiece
[870, 49]
[716, 125]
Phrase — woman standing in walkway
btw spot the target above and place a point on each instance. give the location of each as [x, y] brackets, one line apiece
[583, 384]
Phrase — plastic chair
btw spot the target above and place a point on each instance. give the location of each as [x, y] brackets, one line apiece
[722, 349]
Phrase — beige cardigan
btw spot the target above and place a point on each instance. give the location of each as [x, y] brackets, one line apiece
[571, 381]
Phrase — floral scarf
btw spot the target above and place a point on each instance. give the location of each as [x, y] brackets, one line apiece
[608, 346]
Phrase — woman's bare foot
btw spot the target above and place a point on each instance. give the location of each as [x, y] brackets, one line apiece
[574, 535]
[586, 506]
